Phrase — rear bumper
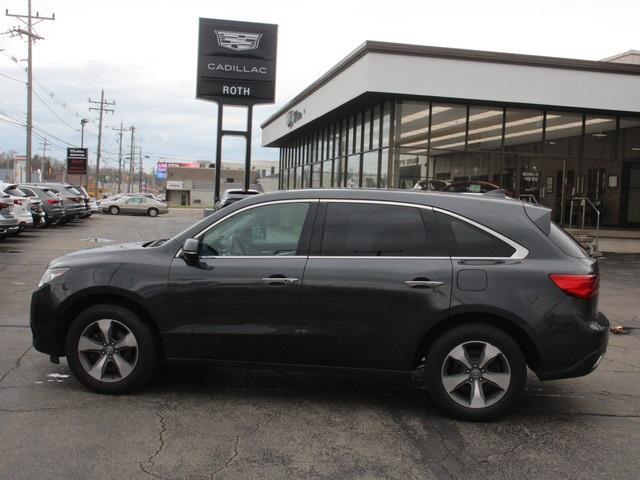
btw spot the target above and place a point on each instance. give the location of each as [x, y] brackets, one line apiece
[592, 342]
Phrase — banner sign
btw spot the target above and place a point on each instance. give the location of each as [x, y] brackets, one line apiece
[236, 62]
[77, 161]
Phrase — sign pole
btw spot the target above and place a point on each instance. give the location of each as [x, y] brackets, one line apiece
[247, 158]
[216, 191]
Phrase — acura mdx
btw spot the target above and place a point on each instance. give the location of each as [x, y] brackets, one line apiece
[463, 291]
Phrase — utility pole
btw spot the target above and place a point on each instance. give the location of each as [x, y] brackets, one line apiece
[101, 109]
[31, 37]
[131, 160]
[121, 130]
[140, 173]
[44, 148]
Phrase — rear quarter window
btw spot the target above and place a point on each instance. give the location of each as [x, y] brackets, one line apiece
[466, 240]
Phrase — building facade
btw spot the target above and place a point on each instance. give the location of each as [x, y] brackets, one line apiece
[550, 130]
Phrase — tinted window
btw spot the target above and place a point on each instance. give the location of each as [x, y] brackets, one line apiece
[367, 229]
[266, 230]
[466, 240]
[28, 192]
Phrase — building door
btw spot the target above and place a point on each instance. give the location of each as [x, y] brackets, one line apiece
[184, 199]
[631, 194]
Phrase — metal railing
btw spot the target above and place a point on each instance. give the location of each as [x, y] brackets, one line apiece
[528, 197]
[584, 201]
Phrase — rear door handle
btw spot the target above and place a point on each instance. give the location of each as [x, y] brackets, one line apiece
[423, 283]
[279, 280]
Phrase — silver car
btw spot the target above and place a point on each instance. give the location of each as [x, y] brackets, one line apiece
[133, 204]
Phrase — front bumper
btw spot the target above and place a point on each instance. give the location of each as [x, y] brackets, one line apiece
[44, 324]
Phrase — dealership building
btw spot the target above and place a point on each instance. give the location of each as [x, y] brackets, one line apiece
[551, 130]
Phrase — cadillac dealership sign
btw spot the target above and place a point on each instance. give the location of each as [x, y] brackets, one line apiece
[236, 61]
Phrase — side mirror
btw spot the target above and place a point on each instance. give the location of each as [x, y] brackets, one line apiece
[191, 251]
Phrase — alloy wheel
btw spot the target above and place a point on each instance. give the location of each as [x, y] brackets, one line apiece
[476, 374]
[108, 350]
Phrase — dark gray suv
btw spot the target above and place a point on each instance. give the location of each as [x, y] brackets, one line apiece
[465, 291]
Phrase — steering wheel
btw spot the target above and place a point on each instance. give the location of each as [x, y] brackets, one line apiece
[236, 246]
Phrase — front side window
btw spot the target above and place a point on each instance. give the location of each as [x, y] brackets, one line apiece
[268, 230]
[371, 229]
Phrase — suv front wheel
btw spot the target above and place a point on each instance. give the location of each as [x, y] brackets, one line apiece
[110, 350]
[475, 372]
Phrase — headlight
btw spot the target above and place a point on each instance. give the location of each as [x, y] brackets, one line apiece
[50, 274]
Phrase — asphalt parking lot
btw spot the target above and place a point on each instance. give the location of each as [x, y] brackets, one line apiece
[217, 423]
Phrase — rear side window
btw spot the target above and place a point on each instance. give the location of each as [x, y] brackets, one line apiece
[466, 240]
[374, 230]
[565, 242]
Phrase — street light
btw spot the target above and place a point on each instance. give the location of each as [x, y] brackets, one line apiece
[83, 122]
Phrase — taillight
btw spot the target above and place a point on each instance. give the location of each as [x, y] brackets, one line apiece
[17, 202]
[51, 201]
[579, 286]
[77, 199]
[4, 205]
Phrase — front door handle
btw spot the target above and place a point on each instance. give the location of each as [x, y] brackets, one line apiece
[423, 283]
[279, 280]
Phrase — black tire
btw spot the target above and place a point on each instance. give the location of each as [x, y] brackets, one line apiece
[147, 349]
[153, 212]
[114, 210]
[467, 334]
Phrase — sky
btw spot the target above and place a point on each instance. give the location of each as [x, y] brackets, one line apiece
[143, 54]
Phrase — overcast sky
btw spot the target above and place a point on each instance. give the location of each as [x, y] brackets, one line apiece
[143, 53]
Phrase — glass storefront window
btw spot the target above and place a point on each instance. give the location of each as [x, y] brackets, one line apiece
[629, 138]
[316, 175]
[384, 168]
[412, 124]
[344, 137]
[336, 139]
[563, 134]
[485, 128]
[523, 130]
[350, 137]
[448, 125]
[357, 137]
[409, 169]
[338, 171]
[370, 169]
[386, 123]
[599, 139]
[327, 172]
[367, 130]
[375, 127]
[353, 171]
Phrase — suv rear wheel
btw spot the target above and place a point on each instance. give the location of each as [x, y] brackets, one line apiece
[110, 350]
[475, 372]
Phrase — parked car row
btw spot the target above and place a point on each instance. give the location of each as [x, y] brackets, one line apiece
[37, 205]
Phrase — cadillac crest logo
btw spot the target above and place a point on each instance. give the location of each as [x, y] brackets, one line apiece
[238, 41]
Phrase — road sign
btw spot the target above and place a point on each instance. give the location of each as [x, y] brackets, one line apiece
[236, 62]
[77, 161]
